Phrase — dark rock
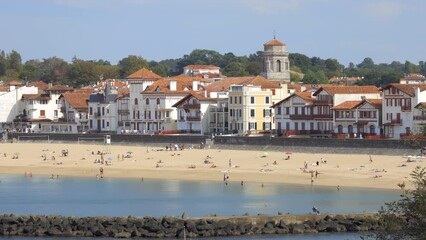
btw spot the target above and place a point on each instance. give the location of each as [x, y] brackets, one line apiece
[297, 228]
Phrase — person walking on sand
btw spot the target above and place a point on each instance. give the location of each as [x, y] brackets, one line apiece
[101, 172]
[371, 159]
[230, 163]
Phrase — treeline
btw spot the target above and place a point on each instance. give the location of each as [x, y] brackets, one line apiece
[80, 72]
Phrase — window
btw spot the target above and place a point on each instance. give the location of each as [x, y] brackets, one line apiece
[267, 100]
[55, 113]
[296, 126]
[147, 101]
[266, 126]
[107, 110]
[230, 100]
[303, 126]
[44, 101]
[372, 129]
[252, 112]
[241, 100]
[279, 111]
[340, 129]
[252, 100]
[158, 101]
[278, 66]
[287, 126]
[296, 111]
[136, 101]
[287, 110]
[167, 114]
[42, 113]
[240, 112]
[266, 112]
[107, 124]
[103, 123]
[350, 129]
[312, 126]
[252, 126]
[91, 123]
[155, 114]
[103, 111]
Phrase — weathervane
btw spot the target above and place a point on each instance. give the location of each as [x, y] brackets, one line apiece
[274, 34]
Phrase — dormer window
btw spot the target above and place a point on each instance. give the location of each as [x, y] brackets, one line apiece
[147, 101]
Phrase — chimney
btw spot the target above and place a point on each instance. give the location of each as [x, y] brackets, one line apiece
[173, 85]
[195, 84]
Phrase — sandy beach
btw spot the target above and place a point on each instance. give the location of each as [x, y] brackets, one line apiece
[207, 164]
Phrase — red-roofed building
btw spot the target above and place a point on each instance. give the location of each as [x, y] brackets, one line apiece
[75, 110]
[192, 113]
[360, 117]
[400, 117]
[413, 78]
[275, 64]
[205, 71]
[308, 112]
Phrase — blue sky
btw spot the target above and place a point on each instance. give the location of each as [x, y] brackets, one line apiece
[348, 30]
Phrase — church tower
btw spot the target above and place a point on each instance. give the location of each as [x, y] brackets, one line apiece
[275, 65]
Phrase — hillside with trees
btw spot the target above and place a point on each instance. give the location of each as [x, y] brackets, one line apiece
[79, 72]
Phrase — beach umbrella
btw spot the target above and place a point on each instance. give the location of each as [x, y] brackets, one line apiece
[288, 153]
[110, 158]
[265, 154]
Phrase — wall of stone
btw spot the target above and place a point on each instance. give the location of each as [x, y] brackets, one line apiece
[321, 145]
[308, 145]
[172, 227]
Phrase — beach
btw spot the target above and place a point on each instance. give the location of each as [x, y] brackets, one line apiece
[142, 162]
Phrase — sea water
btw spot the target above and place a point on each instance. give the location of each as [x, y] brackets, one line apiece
[122, 197]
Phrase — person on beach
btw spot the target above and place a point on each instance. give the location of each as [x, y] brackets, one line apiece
[371, 159]
[230, 162]
[101, 172]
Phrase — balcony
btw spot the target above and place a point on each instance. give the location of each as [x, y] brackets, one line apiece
[63, 109]
[123, 111]
[96, 114]
[406, 108]
[419, 118]
[394, 122]
[191, 118]
[301, 117]
[323, 116]
[191, 106]
[220, 109]
[323, 102]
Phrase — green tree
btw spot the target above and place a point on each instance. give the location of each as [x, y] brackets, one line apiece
[31, 70]
[406, 218]
[235, 69]
[54, 70]
[367, 63]
[131, 64]
[15, 61]
[3, 63]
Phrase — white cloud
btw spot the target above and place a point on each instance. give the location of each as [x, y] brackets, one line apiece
[271, 6]
[384, 9]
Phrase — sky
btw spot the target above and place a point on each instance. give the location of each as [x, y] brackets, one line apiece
[347, 30]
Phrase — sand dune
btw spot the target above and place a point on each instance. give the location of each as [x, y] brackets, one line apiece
[248, 166]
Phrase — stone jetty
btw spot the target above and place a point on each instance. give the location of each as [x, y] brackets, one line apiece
[176, 227]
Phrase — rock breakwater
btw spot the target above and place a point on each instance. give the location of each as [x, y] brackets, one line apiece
[172, 227]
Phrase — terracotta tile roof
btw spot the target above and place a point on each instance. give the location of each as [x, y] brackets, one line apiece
[332, 90]
[376, 103]
[59, 88]
[304, 95]
[39, 84]
[409, 89]
[122, 93]
[196, 95]
[201, 67]
[4, 88]
[192, 78]
[14, 83]
[347, 105]
[183, 85]
[421, 105]
[35, 97]
[225, 83]
[77, 100]
[414, 76]
[274, 42]
[143, 74]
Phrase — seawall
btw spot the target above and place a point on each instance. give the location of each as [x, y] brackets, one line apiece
[172, 227]
[264, 143]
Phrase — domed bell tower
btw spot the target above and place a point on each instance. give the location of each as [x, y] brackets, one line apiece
[275, 65]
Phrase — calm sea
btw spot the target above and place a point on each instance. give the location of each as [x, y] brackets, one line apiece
[123, 197]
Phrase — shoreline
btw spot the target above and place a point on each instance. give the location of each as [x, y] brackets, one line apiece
[250, 166]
